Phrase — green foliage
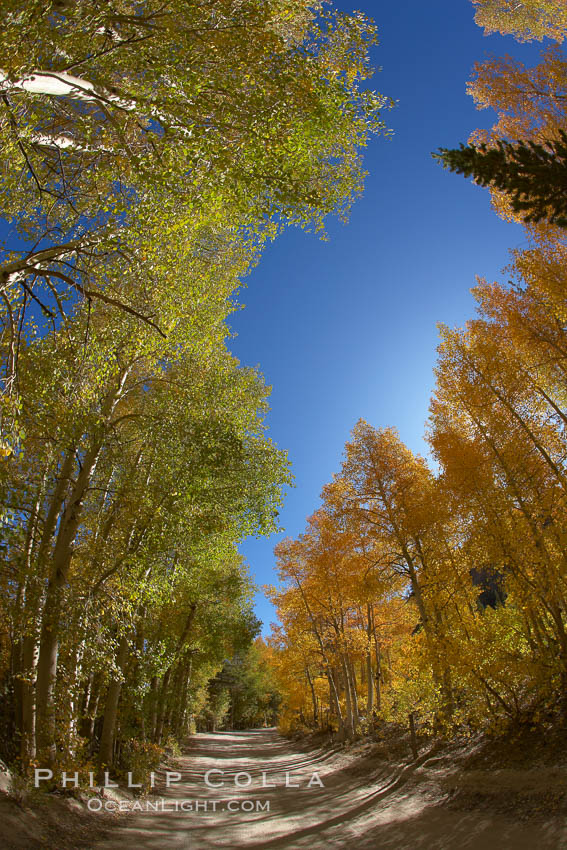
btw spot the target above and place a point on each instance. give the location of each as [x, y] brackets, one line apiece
[245, 693]
[216, 711]
[139, 758]
[134, 132]
[533, 174]
[149, 153]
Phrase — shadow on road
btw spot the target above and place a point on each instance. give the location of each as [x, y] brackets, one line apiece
[346, 811]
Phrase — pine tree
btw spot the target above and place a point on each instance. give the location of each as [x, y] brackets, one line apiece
[534, 175]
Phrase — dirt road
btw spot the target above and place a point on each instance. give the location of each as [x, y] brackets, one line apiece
[349, 810]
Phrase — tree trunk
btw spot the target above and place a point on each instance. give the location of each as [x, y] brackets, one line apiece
[105, 754]
[153, 707]
[369, 684]
[59, 570]
[179, 723]
[335, 702]
[369, 670]
[413, 739]
[354, 692]
[163, 692]
[348, 698]
[27, 742]
[313, 697]
[87, 725]
[28, 609]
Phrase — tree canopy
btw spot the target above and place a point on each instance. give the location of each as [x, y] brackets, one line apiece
[522, 158]
[533, 175]
[527, 20]
[431, 593]
[149, 152]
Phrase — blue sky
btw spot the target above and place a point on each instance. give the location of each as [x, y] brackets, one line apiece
[347, 328]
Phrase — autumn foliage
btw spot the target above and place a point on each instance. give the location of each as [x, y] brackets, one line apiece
[436, 589]
[441, 590]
